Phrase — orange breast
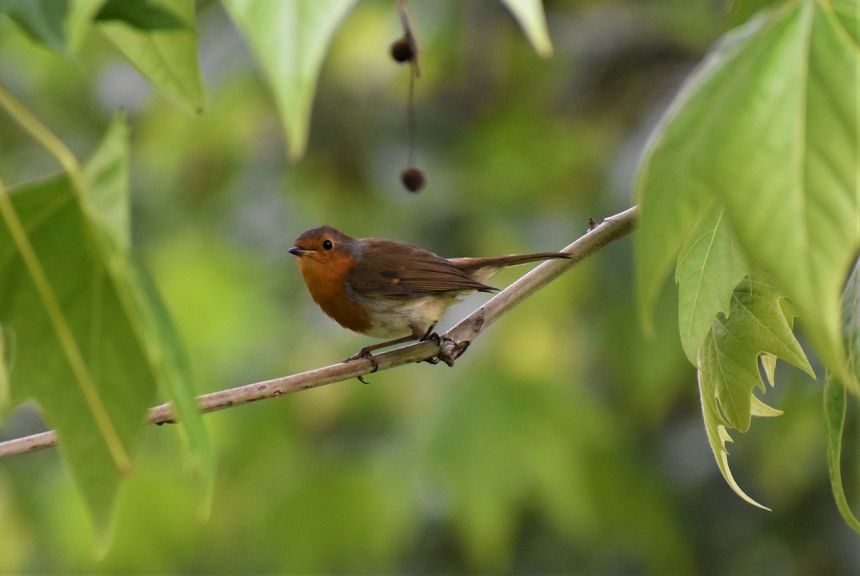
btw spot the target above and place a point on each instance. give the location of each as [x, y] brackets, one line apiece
[327, 285]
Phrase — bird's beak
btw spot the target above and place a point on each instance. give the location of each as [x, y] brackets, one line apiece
[296, 251]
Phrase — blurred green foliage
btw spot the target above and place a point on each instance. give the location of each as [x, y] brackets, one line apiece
[561, 442]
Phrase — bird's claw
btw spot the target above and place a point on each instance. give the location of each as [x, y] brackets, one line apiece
[363, 353]
[431, 336]
[366, 354]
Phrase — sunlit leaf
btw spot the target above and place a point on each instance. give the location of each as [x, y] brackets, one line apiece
[728, 365]
[834, 396]
[91, 341]
[709, 267]
[848, 12]
[75, 355]
[531, 17]
[79, 20]
[106, 177]
[672, 185]
[809, 209]
[742, 10]
[759, 408]
[290, 39]
[756, 325]
[776, 143]
[107, 203]
[768, 364]
[168, 58]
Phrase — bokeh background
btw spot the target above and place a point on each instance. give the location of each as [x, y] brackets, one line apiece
[562, 442]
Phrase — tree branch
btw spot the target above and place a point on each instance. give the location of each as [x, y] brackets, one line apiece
[452, 344]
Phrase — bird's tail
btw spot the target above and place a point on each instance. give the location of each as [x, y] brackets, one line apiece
[482, 269]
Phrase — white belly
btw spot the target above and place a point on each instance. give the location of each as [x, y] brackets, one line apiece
[393, 317]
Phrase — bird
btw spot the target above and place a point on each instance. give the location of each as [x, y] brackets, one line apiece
[390, 289]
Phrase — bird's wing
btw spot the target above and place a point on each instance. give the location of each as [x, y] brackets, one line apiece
[399, 270]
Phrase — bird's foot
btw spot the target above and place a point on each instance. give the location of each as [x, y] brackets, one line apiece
[364, 353]
[431, 336]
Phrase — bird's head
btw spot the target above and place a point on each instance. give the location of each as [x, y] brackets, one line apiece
[323, 246]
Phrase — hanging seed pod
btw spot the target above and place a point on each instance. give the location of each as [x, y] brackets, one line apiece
[402, 50]
[412, 179]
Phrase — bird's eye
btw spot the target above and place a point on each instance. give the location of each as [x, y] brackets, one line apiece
[327, 245]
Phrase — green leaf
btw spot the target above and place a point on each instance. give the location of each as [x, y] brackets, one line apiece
[168, 58]
[5, 360]
[851, 317]
[728, 365]
[805, 115]
[674, 181]
[756, 325]
[79, 19]
[718, 436]
[42, 20]
[57, 24]
[740, 11]
[290, 39]
[141, 14]
[76, 355]
[834, 395]
[709, 268]
[759, 408]
[106, 190]
[834, 413]
[106, 200]
[767, 125]
[531, 17]
[768, 363]
[848, 12]
[91, 343]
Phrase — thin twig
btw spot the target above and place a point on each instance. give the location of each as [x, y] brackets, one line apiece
[457, 339]
[451, 345]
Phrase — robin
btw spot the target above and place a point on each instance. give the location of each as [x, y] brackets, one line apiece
[389, 289]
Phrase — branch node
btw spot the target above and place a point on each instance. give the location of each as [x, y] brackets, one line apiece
[450, 350]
